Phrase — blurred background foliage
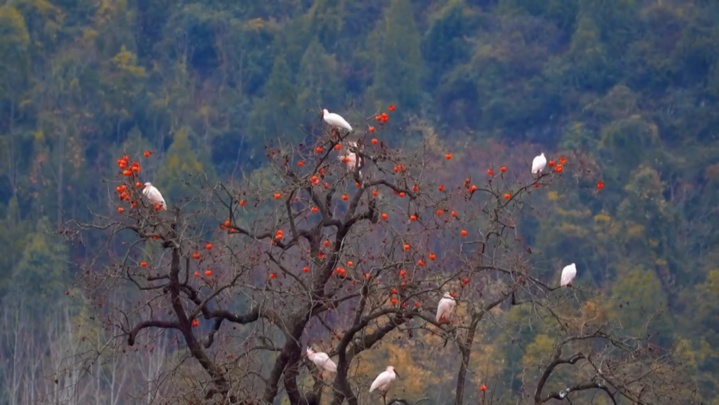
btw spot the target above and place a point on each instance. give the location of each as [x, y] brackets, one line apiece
[632, 86]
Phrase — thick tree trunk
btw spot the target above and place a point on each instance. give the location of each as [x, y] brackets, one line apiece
[60, 179]
[219, 381]
[287, 363]
[466, 351]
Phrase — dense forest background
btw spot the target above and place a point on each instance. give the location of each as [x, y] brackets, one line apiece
[206, 85]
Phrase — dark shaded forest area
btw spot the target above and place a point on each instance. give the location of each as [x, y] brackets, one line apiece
[626, 90]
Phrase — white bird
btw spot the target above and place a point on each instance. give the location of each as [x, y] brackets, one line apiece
[154, 195]
[350, 158]
[321, 360]
[539, 163]
[335, 120]
[445, 307]
[568, 274]
[383, 380]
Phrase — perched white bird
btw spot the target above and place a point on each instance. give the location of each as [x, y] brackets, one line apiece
[539, 163]
[321, 360]
[383, 380]
[445, 307]
[335, 120]
[350, 158]
[568, 274]
[153, 194]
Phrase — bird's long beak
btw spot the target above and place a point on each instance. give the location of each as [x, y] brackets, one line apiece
[396, 373]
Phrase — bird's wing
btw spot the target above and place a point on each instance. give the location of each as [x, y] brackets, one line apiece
[382, 379]
[320, 358]
[343, 123]
[151, 193]
[337, 121]
[568, 274]
[330, 365]
[537, 164]
[154, 195]
[444, 307]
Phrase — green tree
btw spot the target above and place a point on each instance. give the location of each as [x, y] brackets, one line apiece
[14, 83]
[630, 142]
[111, 28]
[505, 78]
[617, 22]
[705, 312]
[14, 44]
[637, 300]
[248, 54]
[562, 13]
[42, 273]
[123, 88]
[185, 160]
[650, 58]
[649, 229]
[325, 19]
[398, 59]
[13, 236]
[45, 22]
[444, 45]
[276, 114]
[318, 80]
[620, 102]
[587, 59]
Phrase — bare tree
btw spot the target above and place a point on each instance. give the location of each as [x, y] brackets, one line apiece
[311, 250]
[55, 355]
[591, 356]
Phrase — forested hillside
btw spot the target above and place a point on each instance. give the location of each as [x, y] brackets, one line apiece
[627, 91]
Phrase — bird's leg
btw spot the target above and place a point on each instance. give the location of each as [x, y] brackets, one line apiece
[384, 397]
